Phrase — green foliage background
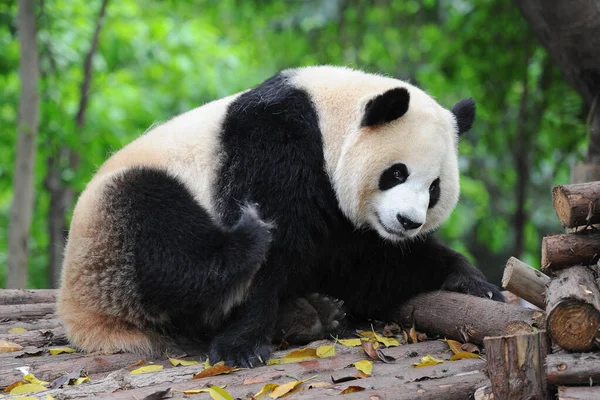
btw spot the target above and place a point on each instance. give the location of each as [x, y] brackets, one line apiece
[159, 58]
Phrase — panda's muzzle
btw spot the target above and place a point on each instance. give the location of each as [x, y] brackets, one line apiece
[407, 223]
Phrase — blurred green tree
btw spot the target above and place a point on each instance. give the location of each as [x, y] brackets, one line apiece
[157, 59]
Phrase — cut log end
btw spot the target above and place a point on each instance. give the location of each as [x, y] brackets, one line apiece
[574, 325]
[562, 206]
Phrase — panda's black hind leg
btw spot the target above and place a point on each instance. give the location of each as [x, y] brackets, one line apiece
[182, 261]
[312, 317]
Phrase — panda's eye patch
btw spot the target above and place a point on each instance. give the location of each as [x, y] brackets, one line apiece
[394, 175]
[434, 192]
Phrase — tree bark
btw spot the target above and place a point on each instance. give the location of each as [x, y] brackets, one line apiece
[516, 366]
[27, 311]
[61, 195]
[577, 204]
[573, 309]
[578, 393]
[570, 31]
[38, 323]
[38, 338]
[573, 369]
[23, 177]
[526, 282]
[565, 250]
[462, 317]
[20, 296]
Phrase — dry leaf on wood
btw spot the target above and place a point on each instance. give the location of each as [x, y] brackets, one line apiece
[428, 360]
[146, 369]
[352, 389]
[217, 369]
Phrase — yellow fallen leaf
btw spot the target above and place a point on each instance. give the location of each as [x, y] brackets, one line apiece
[79, 381]
[381, 339]
[28, 388]
[206, 364]
[364, 366]
[176, 362]
[454, 345]
[14, 385]
[49, 397]
[32, 379]
[284, 389]
[17, 330]
[147, 368]
[268, 388]
[59, 350]
[138, 364]
[8, 347]
[463, 354]
[412, 333]
[217, 369]
[350, 342]
[427, 361]
[325, 351]
[388, 342]
[295, 356]
[352, 389]
[218, 393]
[196, 391]
[25, 398]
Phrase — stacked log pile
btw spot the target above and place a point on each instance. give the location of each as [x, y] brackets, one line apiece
[567, 289]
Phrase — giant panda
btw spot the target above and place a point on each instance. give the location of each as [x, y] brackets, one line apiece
[215, 224]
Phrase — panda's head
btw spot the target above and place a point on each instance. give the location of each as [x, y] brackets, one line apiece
[397, 172]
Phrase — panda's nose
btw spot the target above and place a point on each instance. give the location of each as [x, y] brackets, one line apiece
[407, 223]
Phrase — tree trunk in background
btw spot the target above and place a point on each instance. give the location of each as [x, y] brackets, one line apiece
[528, 124]
[570, 31]
[61, 194]
[23, 177]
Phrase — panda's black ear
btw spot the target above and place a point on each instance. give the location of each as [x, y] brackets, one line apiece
[386, 107]
[464, 111]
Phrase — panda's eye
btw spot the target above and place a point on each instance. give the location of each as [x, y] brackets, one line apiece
[394, 175]
[434, 192]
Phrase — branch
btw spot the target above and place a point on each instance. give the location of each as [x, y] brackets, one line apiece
[87, 68]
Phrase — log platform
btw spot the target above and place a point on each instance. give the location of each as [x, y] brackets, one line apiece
[110, 377]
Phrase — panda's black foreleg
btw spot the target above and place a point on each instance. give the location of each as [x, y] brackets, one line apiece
[459, 275]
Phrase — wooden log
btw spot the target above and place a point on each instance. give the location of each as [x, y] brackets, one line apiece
[26, 311]
[565, 250]
[30, 325]
[573, 368]
[38, 338]
[578, 392]
[516, 365]
[26, 296]
[573, 308]
[526, 282]
[577, 204]
[462, 317]
[399, 380]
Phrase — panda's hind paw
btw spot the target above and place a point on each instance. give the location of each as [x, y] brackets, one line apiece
[330, 310]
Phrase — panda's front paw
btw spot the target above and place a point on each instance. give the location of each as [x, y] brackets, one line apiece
[472, 285]
[240, 352]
